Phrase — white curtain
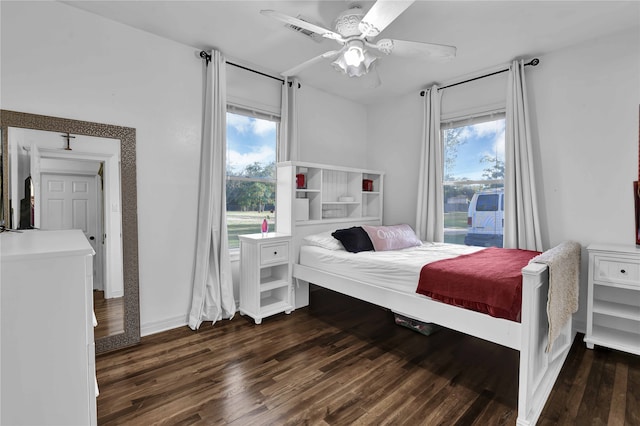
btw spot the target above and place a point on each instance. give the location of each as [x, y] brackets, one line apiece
[212, 285]
[521, 222]
[430, 212]
[288, 148]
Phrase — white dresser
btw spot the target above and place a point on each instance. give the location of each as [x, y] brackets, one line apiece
[613, 306]
[47, 365]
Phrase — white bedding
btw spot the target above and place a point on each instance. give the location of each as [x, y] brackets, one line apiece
[394, 269]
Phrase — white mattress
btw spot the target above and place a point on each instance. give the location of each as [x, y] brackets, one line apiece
[395, 269]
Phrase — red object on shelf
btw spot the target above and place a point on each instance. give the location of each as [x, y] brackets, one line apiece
[367, 185]
[636, 199]
[300, 181]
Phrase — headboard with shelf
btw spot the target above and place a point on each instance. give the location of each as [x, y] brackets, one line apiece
[337, 198]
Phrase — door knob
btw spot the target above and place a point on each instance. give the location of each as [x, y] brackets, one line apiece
[92, 238]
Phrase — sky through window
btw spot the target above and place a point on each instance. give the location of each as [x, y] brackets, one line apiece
[249, 141]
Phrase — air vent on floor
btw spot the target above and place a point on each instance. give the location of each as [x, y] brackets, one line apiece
[310, 34]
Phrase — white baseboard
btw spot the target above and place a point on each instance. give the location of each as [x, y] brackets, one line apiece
[168, 324]
[164, 325]
[114, 295]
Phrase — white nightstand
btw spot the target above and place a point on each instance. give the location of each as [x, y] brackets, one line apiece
[265, 275]
[613, 304]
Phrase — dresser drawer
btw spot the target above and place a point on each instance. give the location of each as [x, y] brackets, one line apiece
[274, 253]
[617, 271]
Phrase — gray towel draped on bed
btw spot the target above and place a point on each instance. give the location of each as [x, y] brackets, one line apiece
[563, 262]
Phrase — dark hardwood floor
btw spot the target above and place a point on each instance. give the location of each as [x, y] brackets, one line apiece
[342, 361]
[109, 313]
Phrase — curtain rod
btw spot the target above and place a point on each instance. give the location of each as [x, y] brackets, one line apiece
[533, 62]
[207, 56]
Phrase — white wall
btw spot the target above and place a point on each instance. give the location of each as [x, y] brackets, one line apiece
[60, 61]
[395, 132]
[584, 103]
[332, 130]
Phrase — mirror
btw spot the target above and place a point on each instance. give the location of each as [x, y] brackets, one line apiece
[128, 331]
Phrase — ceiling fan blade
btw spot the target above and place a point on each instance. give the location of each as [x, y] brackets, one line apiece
[324, 32]
[431, 51]
[381, 14]
[327, 55]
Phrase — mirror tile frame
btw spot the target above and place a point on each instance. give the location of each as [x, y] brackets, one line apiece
[129, 205]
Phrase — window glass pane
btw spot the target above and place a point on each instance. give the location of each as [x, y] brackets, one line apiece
[487, 203]
[251, 175]
[474, 183]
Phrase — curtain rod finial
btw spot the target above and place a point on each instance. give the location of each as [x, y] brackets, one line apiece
[205, 55]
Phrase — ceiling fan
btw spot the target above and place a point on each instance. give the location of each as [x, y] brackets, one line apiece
[355, 31]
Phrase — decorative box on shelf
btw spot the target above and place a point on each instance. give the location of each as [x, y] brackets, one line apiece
[265, 275]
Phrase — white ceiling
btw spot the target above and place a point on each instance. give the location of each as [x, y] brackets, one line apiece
[486, 34]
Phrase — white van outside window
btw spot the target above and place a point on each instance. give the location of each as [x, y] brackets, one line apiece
[485, 219]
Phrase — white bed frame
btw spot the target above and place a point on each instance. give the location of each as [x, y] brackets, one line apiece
[538, 369]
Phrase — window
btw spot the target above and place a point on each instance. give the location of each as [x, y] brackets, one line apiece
[251, 173]
[474, 181]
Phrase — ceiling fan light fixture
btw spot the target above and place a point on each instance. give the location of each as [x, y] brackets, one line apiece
[354, 54]
[363, 67]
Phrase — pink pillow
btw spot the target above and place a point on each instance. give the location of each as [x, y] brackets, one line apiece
[392, 237]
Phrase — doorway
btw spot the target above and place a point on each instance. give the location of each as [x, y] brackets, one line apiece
[76, 188]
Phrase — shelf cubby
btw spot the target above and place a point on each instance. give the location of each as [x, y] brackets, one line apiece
[332, 194]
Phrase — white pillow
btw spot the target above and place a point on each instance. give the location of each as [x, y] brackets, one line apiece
[324, 240]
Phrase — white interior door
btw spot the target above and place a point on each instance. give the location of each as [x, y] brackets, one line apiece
[71, 202]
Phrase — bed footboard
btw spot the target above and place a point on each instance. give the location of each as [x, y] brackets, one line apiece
[538, 369]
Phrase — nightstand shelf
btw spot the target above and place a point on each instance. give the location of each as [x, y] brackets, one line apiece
[271, 305]
[265, 275]
[613, 304]
[270, 284]
[616, 309]
[614, 339]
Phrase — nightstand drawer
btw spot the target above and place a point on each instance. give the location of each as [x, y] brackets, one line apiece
[617, 271]
[274, 253]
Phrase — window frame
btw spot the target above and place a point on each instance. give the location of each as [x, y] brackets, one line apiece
[457, 121]
[234, 108]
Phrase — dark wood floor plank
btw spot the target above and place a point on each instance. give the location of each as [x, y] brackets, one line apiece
[587, 406]
[342, 361]
[495, 413]
[632, 406]
[109, 313]
[604, 395]
[618, 396]
[576, 392]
